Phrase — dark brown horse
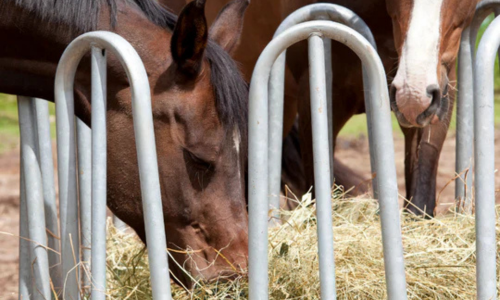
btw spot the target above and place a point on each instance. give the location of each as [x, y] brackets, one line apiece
[199, 107]
[423, 34]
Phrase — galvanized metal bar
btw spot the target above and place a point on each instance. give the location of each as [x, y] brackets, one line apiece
[83, 136]
[41, 108]
[33, 189]
[144, 134]
[484, 155]
[319, 124]
[25, 279]
[327, 45]
[371, 141]
[465, 128]
[99, 169]
[318, 11]
[66, 161]
[276, 106]
[464, 152]
[384, 152]
[119, 224]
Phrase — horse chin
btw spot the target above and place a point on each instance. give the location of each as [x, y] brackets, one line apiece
[403, 122]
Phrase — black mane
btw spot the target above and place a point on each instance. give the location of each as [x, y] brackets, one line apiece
[81, 16]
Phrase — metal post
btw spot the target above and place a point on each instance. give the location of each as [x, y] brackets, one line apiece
[484, 155]
[83, 135]
[41, 108]
[465, 134]
[277, 94]
[119, 224]
[383, 151]
[144, 135]
[319, 124]
[327, 45]
[99, 168]
[33, 191]
[68, 205]
[25, 279]
[465, 128]
[325, 11]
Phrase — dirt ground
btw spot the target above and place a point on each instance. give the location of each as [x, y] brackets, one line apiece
[352, 152]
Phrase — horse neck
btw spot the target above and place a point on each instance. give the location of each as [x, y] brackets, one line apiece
[32, 49]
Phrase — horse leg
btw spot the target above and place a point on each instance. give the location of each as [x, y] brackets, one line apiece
[422, 150]
[344, 176]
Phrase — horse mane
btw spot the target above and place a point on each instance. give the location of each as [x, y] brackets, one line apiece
[230, 89]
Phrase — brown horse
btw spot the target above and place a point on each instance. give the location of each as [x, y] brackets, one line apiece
[427, 38]
[199, 108]
[421, 98]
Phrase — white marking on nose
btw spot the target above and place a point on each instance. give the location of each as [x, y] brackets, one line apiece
[419, 58]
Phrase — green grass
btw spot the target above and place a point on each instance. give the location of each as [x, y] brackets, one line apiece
[9, 122]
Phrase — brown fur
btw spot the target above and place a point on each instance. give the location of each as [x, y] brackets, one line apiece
[201, 174]
[388, 20]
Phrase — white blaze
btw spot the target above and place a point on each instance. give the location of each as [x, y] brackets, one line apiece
[419, 58]
[237, 142]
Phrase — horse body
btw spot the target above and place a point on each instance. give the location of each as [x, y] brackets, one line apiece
[199, 110]
[420, 97]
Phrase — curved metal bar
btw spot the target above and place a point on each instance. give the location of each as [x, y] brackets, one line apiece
[384, 151]
[465, 122]
[145, 142]
[483, 10]
[484, 155]
[318, 11]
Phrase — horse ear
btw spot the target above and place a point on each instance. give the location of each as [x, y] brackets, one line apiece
[227, 27]
[190, 38]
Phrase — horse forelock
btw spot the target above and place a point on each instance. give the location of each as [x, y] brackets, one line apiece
[230, 91]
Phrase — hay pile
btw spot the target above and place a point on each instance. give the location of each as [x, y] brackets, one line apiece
[439, 256]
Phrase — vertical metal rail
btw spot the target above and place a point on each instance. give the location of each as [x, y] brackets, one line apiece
[145, 143]
[119, 224]
[465, 123]
[327, 45]
[25, 279]
[484, 155]
[33, 194]
[318, 11]
[99, 168]
[84, 135]
[465, 128]
[41, 108]
[383, 151]
[319, 124]
[68, 203]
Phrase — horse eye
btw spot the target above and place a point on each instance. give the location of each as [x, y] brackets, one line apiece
[198, 161]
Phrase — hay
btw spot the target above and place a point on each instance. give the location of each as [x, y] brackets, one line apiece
[439, 257]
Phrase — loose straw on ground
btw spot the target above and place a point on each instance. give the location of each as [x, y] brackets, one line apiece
[439, 257]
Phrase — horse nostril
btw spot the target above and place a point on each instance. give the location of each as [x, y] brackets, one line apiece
[433, 92]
